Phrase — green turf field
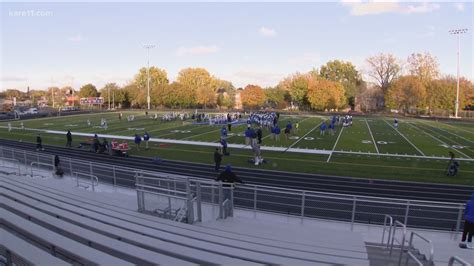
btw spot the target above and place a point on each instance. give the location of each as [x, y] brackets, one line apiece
[371, 148]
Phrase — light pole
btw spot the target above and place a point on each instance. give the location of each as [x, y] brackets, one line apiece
[457, 32]
[148, 47]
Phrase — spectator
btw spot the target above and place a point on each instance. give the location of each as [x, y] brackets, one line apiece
[137, 141]
[39, 143]
[468, 231]
[229, 177]
[69, 139]
[95, 144]
[57, 168]
[146, 138]
[217, 159]
[259, 135]
[224, 147]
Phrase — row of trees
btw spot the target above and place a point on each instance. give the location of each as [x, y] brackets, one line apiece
[413, 84]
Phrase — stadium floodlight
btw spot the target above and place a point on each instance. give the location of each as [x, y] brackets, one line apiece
[457, 32]
[148, 47]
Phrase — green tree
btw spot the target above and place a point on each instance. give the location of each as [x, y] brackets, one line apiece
[346, 74]
[297, 87]
[276, 98]
[157, 77]
[406, 93]
[88, 90]
[195, 79]
[113, 88]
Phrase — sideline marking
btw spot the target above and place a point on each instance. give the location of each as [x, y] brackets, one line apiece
[370, 131]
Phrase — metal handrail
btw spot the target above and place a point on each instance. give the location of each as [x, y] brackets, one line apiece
[161, 189]
[3, 159]
[402, 244]
[410, 245]
[390, 225]
[92, 179]
[458, 259]
[38, 164]
[161, 194]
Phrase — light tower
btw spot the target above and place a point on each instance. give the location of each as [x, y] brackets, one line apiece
[457, 32]
[148, 47]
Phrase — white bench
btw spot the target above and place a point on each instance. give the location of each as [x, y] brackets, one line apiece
[81, 252]
[266, 246]
[25, 250]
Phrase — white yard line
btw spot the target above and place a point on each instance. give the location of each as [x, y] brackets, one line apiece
[298, 140]
[452, 134]
[373, 140]
[440, 141]
[207, 132]
[457, 128]
[335, 144]
[400, 133]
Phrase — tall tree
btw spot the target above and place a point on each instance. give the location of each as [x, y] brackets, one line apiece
[276, 97]
[383, 68]
[346, 74]
[297, 87]
[406, 93]
[157, 77]
[252, 96]
[104, 92]
[424, 66]
[198, 79]
[88, 90]
[325, 94]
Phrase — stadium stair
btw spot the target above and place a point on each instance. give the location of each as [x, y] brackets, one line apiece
[380, 255]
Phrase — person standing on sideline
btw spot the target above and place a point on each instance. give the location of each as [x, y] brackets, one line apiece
[228, 176]
[217, 159]
[69, 139]
[224, 147]
[39, 143]
[468, 231]
[57, 167]
[322, 128]
[146, 138]
[277, 132]
[137, 141]
[259, 134]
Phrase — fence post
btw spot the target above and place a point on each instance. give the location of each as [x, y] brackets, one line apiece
[198, 201]
[354, 201]
[255, 198]
[190, 204]
[221, 210]
[70, 166]
[231, 211]
[90, 168]
[113, 173]
[303, 197]
[458, 221]
[406, 213]
[25, 158]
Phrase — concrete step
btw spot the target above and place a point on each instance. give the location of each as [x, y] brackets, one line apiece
[380, 256]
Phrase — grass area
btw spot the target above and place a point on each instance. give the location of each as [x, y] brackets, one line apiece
[367, 135]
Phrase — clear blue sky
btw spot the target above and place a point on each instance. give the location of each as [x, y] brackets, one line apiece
[65, 43]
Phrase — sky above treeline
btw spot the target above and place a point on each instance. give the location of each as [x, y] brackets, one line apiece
[64, 44]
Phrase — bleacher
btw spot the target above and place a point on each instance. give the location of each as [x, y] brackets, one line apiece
[90, 228]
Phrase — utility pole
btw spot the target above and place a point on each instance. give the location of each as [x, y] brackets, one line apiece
[457, 32]
[148, 47]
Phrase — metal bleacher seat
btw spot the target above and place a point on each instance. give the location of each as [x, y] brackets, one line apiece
[187, 242]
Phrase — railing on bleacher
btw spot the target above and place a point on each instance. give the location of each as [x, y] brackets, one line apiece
[290, 202]
[457, 259]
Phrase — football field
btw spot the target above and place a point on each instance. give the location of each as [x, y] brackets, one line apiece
[418, 150]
